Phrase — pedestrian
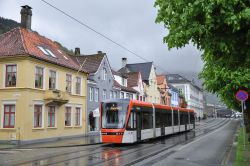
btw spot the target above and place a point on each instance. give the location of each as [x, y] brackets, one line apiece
[199, 119]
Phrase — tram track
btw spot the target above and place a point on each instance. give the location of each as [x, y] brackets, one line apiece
[124, 151]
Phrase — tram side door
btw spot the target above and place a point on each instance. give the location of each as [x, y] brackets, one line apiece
[138, 125]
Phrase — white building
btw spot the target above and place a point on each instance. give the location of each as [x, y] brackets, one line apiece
[193, 94]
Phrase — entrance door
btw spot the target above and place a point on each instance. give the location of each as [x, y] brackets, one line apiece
[138, 126]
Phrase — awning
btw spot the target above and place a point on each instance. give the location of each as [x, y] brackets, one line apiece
[96, 113]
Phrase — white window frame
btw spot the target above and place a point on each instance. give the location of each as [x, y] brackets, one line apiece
[96, 94]
[91, 93]
[104, 74]
[104, 93]
[110, 94]
[122, 95]
[80, 85]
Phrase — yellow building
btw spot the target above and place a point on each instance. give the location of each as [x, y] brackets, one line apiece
[42, 89]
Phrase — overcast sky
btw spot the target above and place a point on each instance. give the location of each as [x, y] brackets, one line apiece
[130, 23]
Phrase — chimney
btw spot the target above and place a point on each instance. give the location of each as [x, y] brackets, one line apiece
[26, 14]
[124, 62]
[77, 51]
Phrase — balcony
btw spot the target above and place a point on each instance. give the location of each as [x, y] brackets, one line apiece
[56, 97]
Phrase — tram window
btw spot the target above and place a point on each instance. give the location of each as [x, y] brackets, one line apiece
[160, 118]
[169, 119]
[192, 118]
[183, 118]
[176, 123]
[147, 120]
[132, 121]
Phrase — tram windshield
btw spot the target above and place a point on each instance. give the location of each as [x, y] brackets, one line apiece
[114, 115]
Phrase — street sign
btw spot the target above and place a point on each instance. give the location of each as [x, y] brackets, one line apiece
[241, 95]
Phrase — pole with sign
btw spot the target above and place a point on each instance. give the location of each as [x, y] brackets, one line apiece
[242, 96]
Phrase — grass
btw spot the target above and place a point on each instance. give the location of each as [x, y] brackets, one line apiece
[242, 155]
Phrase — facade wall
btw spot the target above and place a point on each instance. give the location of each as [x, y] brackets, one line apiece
[101, 85]
[193, 96]
[24, 96]
[153, 94]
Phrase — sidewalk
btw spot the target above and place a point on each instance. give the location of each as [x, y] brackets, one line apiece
[79, 141]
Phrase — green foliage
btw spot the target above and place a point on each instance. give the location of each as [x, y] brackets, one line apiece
[221, 29]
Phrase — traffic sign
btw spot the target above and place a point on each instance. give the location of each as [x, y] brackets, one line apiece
[241, 95]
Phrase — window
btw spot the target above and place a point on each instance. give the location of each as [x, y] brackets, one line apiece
[123, 81]
[127, 95]
[104, 74]
[104, 94]
[96, 94]
[176, 118]
[78, 85]
[46, 51]
[115, 95]
[68, 83]
[39, 78]
[132, 121]
[37, 116]
[50, 53]
[10, 76]
[131, 96]
[91, 93]
[122, 95]
[77, 116]
[146, 117]
[51, 116]
[9, 116]
[52, 79]
[68, 116]
[111, 94]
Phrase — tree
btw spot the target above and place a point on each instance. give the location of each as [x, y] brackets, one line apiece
[221, 29]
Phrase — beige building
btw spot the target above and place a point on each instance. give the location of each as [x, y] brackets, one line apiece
[148, 74]
[42, 90]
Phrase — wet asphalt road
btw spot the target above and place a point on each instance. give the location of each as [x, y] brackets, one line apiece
[206, 145]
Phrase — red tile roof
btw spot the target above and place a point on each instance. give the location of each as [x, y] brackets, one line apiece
[23, 42]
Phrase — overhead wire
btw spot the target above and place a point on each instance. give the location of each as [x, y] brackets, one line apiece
[102, 35]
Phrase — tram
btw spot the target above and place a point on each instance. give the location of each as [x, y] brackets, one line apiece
[130, 121]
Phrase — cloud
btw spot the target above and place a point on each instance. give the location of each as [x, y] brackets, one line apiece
[128, 22]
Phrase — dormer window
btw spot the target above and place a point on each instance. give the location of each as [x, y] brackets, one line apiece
[66, 57]
[46, 51]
